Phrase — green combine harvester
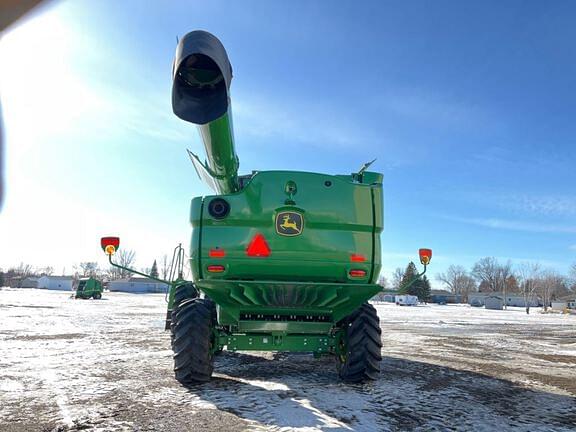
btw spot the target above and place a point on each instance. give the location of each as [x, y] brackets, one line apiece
[281, 260]
[89, 288]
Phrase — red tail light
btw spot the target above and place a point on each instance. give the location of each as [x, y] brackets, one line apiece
[216, 268]
[258, 247]
[357, 273]
[217, 253]
[357, 258]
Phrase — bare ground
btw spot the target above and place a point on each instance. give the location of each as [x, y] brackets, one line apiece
[105, 365]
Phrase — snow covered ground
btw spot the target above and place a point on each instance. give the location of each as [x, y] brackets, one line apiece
[106, 365]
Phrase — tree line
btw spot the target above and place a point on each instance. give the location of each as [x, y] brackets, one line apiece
[124, 257]
[529, 279]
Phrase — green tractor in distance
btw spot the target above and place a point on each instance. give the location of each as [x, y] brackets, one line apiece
[89, 288]
[281, 260]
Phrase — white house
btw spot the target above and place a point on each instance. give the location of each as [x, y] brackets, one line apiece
[137, 285]
[512, 299]
[63, 283]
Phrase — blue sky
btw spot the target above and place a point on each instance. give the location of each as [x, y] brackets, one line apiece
[468, 107]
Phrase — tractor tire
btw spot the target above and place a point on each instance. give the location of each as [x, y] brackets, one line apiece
[362, 344]
[193, 341]
[212, 306]
[182, 292]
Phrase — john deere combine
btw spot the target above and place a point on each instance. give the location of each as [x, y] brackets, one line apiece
[281, 260]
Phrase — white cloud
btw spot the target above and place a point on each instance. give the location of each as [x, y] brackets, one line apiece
[515, 225]
[313, 124]
[425, 106]
[549, 205]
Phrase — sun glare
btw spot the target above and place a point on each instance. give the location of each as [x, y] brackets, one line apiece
[41, 93]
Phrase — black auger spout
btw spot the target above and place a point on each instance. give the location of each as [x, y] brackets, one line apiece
[201, 95]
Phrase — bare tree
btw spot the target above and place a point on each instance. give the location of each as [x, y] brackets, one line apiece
[383, 282]
[572, 277]
[397, 278]
[512, 284]
[458, 281]
[89, 269]
[493, 275]
[504, 275]
[46, 271]
[529, 274]
[164, 267]
[125, 258]
[486, 271]
[23, 270]
[550, 283]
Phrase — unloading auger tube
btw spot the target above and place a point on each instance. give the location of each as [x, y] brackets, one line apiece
[200, 94]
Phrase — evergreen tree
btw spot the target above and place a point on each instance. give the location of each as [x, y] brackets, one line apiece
[420, 288]
[154, 270]
[409, 274]
[423, 289]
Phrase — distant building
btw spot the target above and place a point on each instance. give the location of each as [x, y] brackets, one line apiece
[137, 285]
[29, 282]
[559, 305]
[62, 283]
[444, 297]
[385, 296]
[516, 300]
[13, 281]
[494, 302]
[388, 298]
[569, 300]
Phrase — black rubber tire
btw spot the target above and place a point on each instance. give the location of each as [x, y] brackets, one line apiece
[185, 291]
[97, 296]
[212, 305]
[363, 346]
[193, 341]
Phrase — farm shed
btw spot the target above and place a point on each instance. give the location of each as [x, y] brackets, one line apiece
[493, 303]
[444, 297]
[63, 283]
[137, 285]
[512, 299]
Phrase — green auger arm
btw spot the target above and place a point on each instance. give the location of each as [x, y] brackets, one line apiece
[111, 244]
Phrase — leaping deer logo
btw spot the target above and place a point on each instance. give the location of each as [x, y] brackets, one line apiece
[291, 224]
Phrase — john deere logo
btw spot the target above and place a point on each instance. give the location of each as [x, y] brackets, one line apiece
[289, 223]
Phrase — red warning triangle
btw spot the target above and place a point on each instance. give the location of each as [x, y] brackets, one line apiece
[258, 247]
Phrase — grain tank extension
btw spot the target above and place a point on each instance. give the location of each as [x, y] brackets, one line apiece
[281, 260]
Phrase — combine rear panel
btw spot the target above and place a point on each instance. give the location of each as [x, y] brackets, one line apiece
[289, 243]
